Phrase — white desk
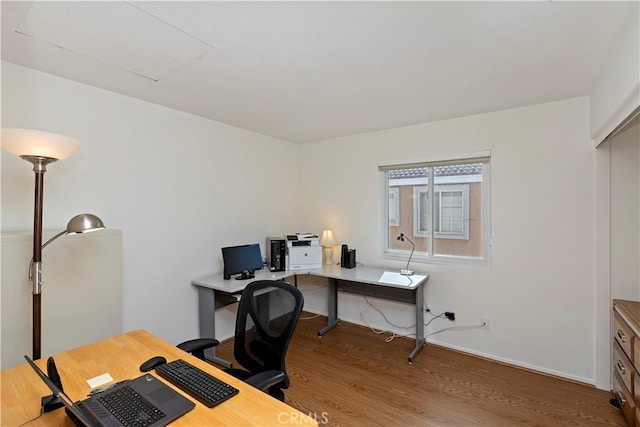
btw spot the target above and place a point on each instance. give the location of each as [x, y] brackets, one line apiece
[214, 291]
[379, 283]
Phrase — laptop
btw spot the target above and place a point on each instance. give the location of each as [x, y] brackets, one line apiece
[98, 410]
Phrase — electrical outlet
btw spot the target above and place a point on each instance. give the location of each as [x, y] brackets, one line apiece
[484, 323]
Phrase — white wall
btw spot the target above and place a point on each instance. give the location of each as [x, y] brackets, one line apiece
[178, 186]
[539, 291]
[617, 92]
[625, 214]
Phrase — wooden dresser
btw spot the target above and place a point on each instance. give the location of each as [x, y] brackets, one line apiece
[626, 358]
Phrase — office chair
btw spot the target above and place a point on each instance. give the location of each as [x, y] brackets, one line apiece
[267, 316]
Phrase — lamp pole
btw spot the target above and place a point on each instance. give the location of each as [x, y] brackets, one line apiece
[39, 148]
[39, 168]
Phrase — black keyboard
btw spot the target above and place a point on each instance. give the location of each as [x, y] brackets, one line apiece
[199, 384]
[129, 407]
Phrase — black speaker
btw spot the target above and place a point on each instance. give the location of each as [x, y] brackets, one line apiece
[348, 257]
[276, 253]
[343, 254]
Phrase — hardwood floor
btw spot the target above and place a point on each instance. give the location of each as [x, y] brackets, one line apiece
[352, 377]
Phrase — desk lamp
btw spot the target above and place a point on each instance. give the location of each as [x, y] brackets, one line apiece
[327, 241]
[40, 148]
[406, 271]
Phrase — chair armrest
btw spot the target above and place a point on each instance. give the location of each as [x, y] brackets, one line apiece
[198, 346]
[266, 379]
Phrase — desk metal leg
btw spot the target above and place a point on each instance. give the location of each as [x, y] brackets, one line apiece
[332, 315]
[207, 320]
[420, 339]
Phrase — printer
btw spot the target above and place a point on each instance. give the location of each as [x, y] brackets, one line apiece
[304, 251]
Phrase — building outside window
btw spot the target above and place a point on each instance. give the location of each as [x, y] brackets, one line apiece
[450, 211]
[443, 207]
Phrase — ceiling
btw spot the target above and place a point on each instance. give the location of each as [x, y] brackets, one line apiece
[304, 71]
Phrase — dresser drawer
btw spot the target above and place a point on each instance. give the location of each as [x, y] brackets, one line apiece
[636, 386]
[623, 334]
[623, 367]
[625, 399]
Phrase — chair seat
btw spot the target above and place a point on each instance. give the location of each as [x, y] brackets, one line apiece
[272, 380]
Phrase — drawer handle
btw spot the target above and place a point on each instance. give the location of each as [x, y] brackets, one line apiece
[621, 367]
[622, 336]
[621, 398]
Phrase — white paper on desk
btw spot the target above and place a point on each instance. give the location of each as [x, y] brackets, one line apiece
[393, 278]
[99, 380]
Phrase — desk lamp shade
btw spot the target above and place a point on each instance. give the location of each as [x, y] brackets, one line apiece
[83, 223]
[327, 240]
[27, 142]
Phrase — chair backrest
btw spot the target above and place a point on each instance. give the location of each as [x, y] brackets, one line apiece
[267, 316]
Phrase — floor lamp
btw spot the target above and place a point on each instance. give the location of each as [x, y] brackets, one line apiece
[40, 149]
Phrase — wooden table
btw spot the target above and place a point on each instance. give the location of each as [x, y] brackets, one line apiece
[121, 356]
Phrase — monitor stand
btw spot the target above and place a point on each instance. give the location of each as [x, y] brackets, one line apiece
[246, 275]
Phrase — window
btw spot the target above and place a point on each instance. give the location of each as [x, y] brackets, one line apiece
[451, 225]
[452, 211]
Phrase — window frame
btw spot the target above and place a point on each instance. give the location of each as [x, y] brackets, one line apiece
[418, 190]
[395, 220]
[429, 257]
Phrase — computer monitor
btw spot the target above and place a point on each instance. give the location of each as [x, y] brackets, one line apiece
[242, 260]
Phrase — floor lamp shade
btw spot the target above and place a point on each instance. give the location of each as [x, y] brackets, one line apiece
[27, 142]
